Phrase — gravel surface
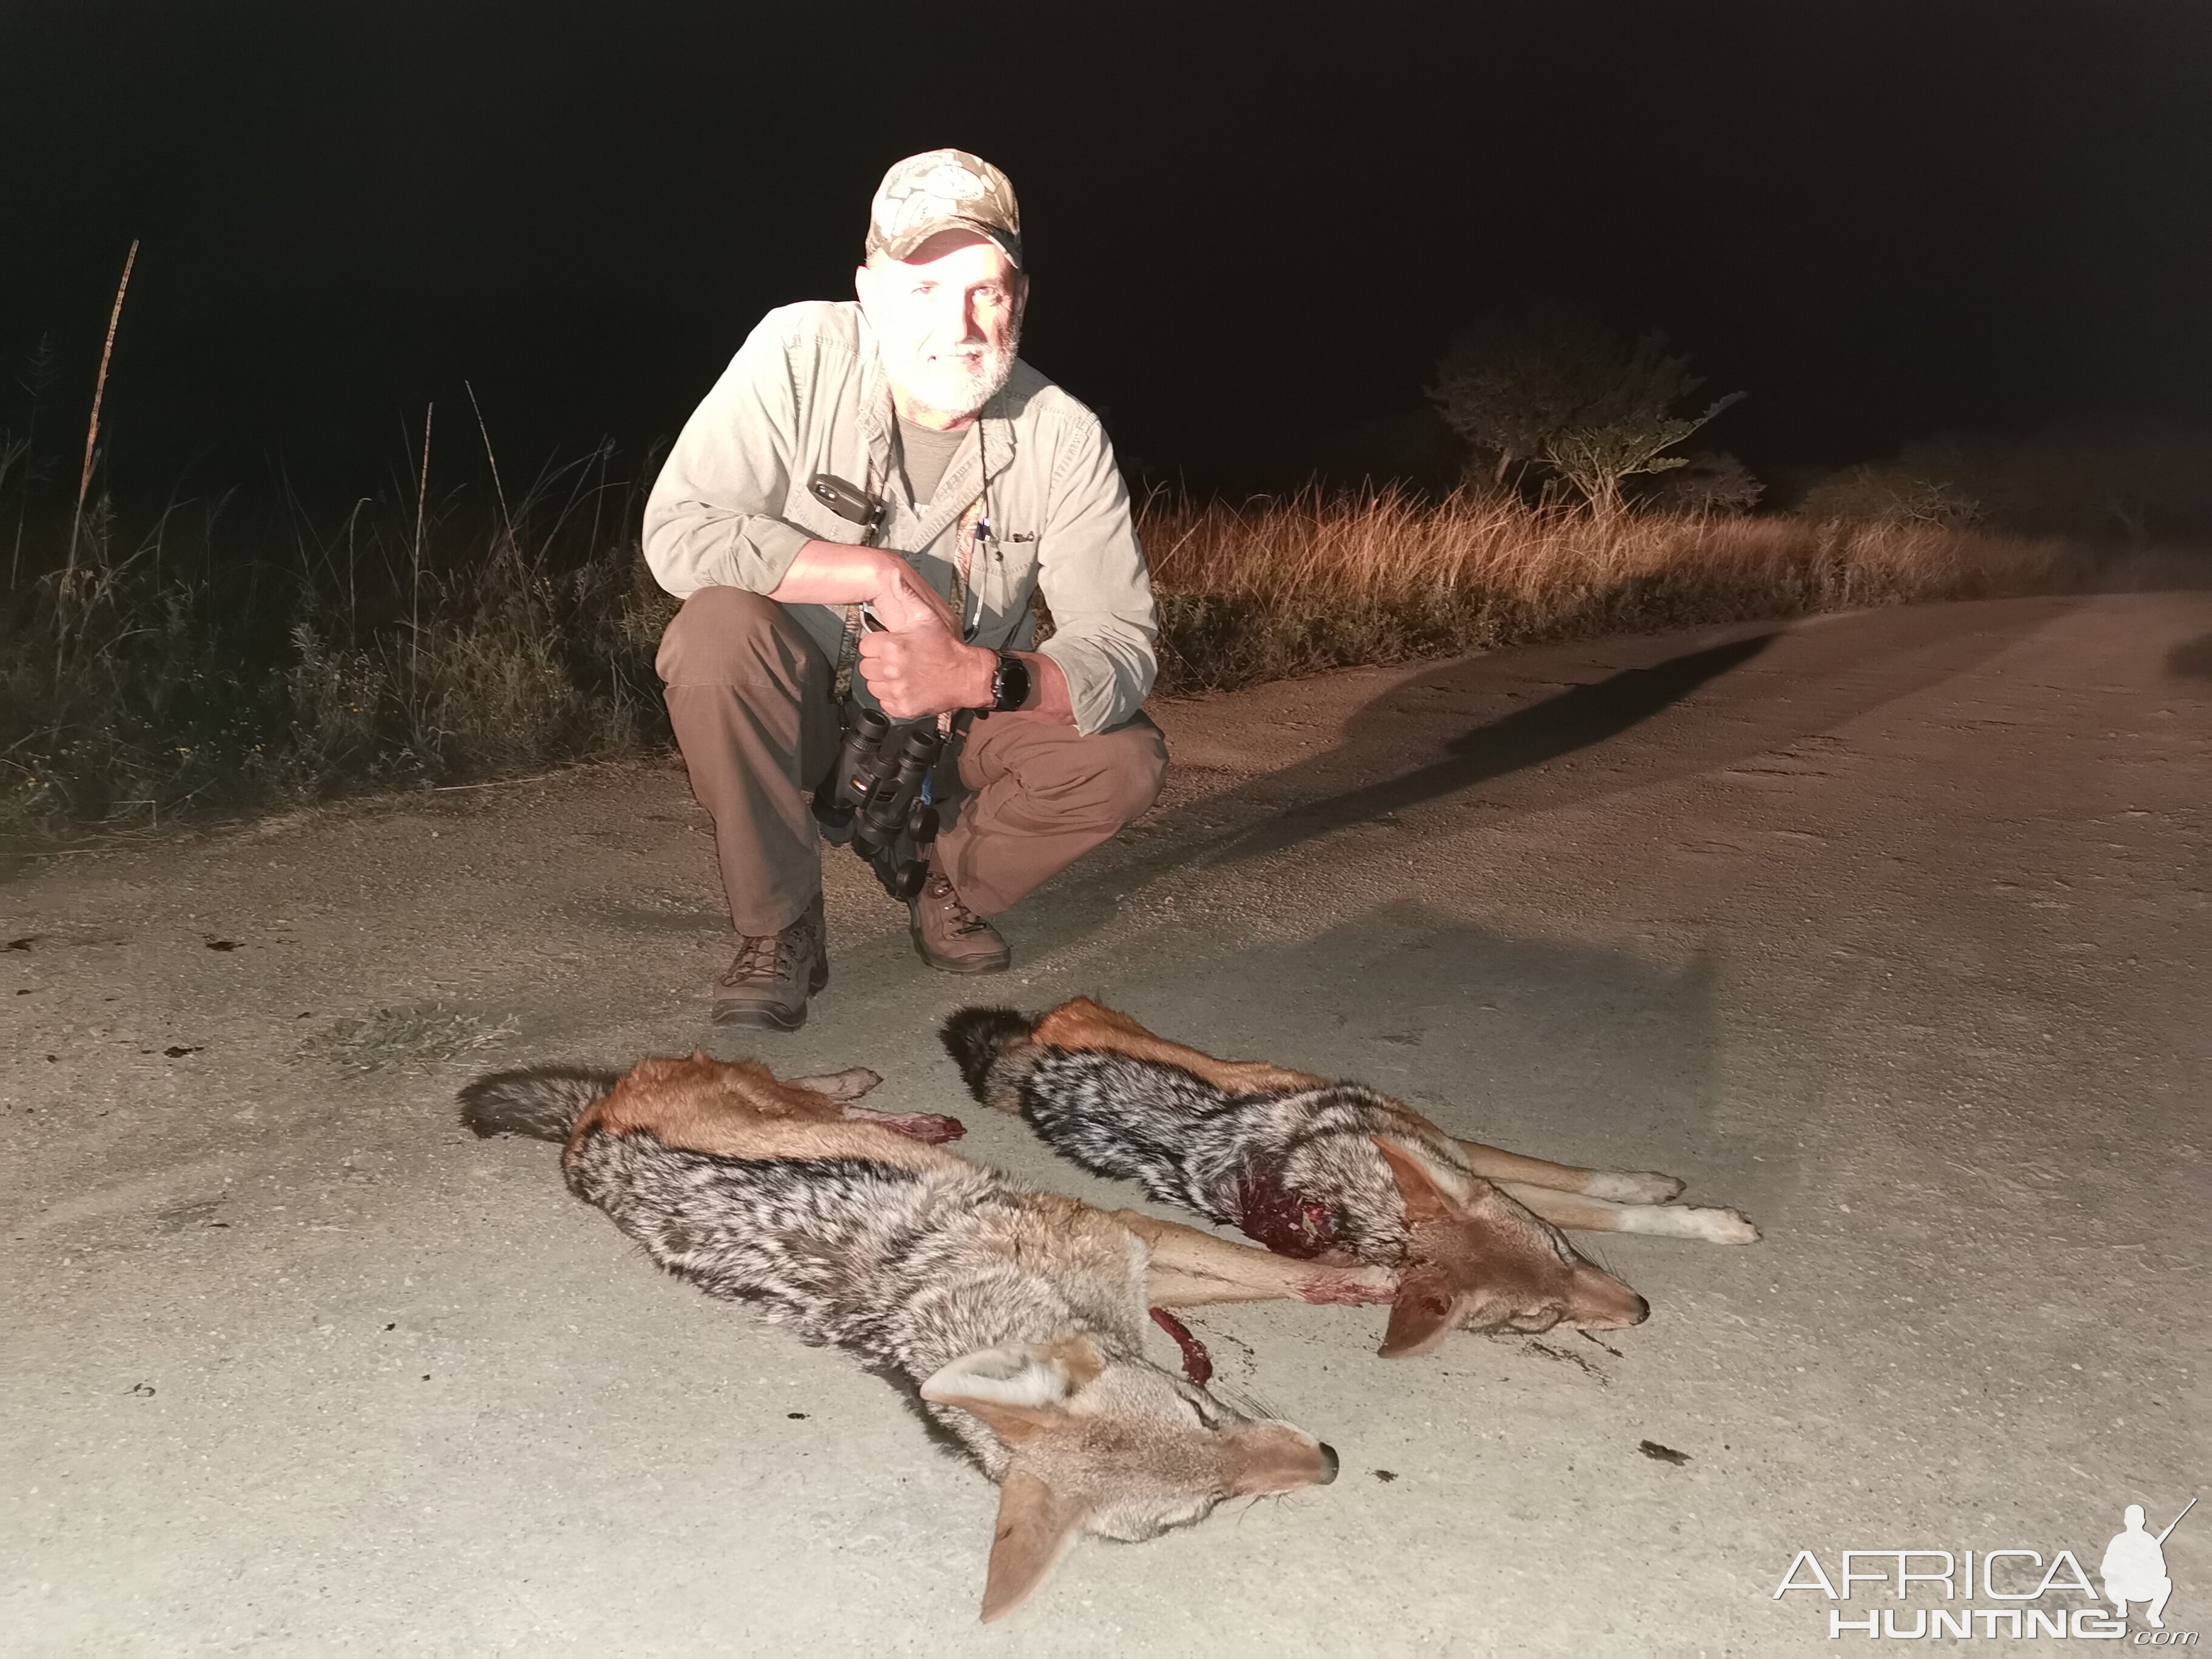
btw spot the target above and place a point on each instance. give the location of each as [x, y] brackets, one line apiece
[1891, 929]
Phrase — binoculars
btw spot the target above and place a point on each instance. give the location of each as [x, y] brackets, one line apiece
[876, 795]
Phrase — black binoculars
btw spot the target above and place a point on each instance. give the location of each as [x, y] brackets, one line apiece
[875, 796]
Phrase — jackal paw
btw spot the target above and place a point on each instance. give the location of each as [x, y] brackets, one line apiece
[1719, 1226]
[1626, 1187]
[849, 1085]
[925, 1126]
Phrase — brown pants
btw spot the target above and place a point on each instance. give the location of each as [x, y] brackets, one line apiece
[749, 695]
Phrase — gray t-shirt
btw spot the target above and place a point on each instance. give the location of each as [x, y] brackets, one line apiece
[925, 455]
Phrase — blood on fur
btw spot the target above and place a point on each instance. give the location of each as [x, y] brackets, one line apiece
[1288, 1222]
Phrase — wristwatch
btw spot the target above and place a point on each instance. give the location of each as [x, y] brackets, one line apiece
[1009, 683]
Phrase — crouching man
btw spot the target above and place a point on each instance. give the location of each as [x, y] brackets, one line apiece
[895, 453]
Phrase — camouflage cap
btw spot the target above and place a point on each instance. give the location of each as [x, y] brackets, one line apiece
[942, 189]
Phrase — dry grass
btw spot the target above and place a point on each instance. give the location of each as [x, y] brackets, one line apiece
[194, 666]
[1283, 587]
[190, 671]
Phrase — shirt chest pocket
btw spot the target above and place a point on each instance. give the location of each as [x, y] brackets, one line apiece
[803, 510]
[1003, 576]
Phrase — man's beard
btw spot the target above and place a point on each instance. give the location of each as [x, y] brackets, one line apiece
[955, 384]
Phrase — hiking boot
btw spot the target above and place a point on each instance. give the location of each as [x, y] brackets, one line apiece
[949, 935]
[767, 984]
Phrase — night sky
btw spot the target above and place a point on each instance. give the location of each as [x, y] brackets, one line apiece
[1251, 227]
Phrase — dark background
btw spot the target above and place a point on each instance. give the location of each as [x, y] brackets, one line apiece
[1251, 228]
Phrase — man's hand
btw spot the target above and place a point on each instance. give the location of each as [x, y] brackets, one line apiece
[919, 666]
[924, 670]
[904, 603]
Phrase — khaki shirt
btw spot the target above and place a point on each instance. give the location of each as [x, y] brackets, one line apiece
[806, 394]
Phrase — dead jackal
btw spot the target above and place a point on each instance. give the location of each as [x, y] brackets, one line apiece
[1020, 1314]
[1326, 1171]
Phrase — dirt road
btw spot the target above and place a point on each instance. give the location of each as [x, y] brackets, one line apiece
[1892, 929]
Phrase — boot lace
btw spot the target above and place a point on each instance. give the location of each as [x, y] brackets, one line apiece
[763, 957]
[961, 919]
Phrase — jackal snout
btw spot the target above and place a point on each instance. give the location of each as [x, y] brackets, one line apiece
[1478, 1260]
[1117, 1448]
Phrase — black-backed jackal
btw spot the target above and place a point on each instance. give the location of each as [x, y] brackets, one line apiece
[1020, 1314]
[1327, 1171]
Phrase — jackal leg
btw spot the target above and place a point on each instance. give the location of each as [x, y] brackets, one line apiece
[1602, 1215]
[740, 1109]
[849, 1085]
[931, 1127]
[1189, 1269]
[1621, 1186]
[1091, 1025]
[1097, 1028]
[841, 1089]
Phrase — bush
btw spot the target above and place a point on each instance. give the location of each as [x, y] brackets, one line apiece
[1870, 494]
[1551, 386]
[2134, 482]
[1709, 482]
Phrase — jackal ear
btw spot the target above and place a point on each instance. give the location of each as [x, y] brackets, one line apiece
[1421, 1318]
[1019, 1388]
[1035, 1526]
[1425, 1198]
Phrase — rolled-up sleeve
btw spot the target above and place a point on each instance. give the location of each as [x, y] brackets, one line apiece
[1092, 568]
[711, 519]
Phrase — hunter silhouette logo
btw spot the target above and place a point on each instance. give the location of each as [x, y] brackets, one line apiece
[2134, 1567]
[2029, 1592]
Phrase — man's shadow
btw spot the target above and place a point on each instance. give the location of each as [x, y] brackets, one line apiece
[1629, 714]
[2192, 658]
[1578, 718]
[1678, 713]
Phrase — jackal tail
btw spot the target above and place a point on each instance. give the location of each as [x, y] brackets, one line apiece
[976, 1037]
[542, 1101]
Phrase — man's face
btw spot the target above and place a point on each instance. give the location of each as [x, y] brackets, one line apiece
[948, 321]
